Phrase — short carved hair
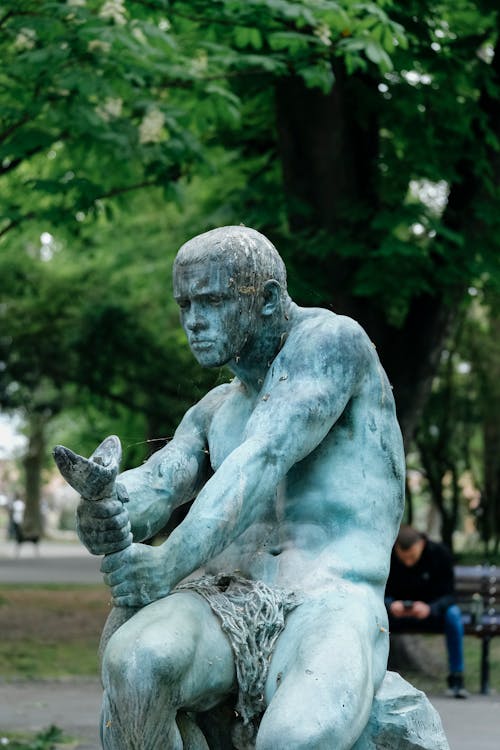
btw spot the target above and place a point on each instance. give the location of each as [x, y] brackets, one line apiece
[251, 258]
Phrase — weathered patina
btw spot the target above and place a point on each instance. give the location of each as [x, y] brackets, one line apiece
[296, 469]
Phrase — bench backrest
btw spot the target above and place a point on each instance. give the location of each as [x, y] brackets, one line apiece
[477, 591]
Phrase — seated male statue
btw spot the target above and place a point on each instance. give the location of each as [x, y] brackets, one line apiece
[271, 588]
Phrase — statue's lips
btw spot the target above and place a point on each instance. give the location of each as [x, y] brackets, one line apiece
[201, 343]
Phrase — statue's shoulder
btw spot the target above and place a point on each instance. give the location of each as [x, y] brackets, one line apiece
[320, 326]
[322, 342]
[198, 418]
[206, 407]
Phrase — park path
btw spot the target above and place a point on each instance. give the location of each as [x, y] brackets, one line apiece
[74, 707]
[71, 705]
[54, 562]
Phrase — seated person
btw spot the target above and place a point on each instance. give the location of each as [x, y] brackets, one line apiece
[420, 596]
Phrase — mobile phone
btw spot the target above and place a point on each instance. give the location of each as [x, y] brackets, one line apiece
[408, 603]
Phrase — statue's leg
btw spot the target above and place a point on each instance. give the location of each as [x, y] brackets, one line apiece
[328, 662]
[171, 656]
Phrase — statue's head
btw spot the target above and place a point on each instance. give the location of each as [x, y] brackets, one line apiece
[228, 283]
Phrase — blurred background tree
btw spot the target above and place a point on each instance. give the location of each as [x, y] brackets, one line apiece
[362, 138]
[458, 437]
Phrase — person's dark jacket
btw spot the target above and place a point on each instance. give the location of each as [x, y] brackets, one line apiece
[430, 580]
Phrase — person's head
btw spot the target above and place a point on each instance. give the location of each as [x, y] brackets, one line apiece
[409, 545]
[228, 283]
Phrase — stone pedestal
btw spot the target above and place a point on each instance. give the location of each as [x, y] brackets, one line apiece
[402, 719]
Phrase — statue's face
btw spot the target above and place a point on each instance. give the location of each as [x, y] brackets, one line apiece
[215, 315]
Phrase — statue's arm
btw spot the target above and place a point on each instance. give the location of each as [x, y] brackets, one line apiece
[115, 511]
[169, 478]
[289, 422]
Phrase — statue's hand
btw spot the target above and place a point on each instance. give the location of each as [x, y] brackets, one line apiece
[102, 526]
[136, 576]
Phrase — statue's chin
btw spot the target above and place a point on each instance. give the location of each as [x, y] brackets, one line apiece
[208, 359]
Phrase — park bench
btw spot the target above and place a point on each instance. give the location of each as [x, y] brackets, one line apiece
[477, 591]
[477, 594]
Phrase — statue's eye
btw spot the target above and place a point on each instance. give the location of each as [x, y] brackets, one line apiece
[183, 304]
[214, 299]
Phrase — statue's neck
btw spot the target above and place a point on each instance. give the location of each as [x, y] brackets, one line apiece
[254, 361]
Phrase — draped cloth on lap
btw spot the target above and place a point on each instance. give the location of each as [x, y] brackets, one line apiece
[252, 615]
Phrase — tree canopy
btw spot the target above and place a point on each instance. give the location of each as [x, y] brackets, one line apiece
[101, 98]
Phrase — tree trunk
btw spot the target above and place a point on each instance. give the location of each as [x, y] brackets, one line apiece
[329, 155]
[328, 144]
[33, 464]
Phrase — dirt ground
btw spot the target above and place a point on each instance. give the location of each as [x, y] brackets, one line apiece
[52, 614]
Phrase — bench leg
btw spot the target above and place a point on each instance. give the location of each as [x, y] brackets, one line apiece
[485, 664]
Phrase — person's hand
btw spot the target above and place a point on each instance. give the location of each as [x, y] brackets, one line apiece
[397, 609]
[420, 610]
[136, 575]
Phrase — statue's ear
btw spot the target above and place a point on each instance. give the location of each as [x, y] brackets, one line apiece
[272, 293]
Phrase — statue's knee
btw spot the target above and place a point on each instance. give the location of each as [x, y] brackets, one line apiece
[146, 656]
[283, 734]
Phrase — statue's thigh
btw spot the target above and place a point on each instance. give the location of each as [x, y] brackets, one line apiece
[177, 640]
[325, 668]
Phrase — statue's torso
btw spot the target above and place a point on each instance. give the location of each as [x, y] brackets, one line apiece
[337, 511]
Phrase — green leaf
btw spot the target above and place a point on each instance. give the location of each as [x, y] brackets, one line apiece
[319, 76]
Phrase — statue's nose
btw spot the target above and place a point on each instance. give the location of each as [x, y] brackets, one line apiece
[196, 320]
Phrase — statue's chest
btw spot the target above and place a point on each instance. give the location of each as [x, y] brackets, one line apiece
[228, 427]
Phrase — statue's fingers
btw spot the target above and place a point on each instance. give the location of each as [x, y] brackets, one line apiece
[121, 492]
[117, 523]
[107, 548]
[105, 509]
[114, 561]
[124, 597]
[112, 536]
[116, 577]
[128, 600]
[122, 588]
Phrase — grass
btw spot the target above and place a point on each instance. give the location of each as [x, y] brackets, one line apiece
[51, 738]
[476, 557]
[432, 678]
[51, 631]
[34, 661]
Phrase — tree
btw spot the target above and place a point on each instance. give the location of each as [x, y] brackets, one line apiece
[449, 428]
[102, 98]
[485, 358]
[361, 137]
[388, 257]
[97, 334]
[458, 437]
